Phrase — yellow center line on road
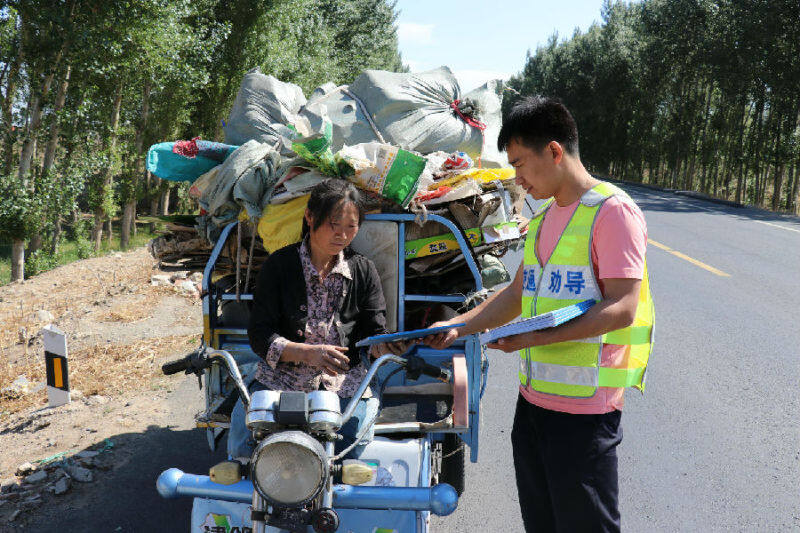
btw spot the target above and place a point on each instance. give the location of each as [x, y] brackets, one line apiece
[687, 258]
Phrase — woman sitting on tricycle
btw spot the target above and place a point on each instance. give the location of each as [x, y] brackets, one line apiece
[313, 301]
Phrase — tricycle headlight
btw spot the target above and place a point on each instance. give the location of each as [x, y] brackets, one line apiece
[289, 468]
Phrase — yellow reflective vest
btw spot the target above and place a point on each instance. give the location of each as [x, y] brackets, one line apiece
[574, 369]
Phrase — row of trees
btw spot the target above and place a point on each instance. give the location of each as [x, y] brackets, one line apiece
[692, 94]
[87, 86]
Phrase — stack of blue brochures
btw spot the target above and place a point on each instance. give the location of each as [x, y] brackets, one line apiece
[543, 321]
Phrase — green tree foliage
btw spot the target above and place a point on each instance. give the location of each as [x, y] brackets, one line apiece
[693, 94]
[86, 87]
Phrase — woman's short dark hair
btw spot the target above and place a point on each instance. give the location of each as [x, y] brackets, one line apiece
[327, 200]
[534, 121]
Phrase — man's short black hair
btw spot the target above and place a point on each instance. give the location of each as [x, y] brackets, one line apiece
[534, 121]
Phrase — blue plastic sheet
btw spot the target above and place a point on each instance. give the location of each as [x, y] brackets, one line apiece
[163, 162]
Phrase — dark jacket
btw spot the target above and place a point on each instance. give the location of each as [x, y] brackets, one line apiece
[279, 303]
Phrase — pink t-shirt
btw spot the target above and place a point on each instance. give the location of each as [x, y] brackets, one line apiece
[619, 241]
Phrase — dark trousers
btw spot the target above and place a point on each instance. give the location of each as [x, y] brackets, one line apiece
[566, 468]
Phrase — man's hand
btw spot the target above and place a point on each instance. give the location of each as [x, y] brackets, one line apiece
[396, 347]
[331, 359]
[443, 339]
[512, 343]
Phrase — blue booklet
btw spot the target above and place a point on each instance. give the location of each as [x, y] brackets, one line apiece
[404, 335]
[543, 321]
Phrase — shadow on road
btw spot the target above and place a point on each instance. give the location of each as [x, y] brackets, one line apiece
[124, 498]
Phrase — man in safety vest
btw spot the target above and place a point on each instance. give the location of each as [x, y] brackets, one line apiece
[587, 242]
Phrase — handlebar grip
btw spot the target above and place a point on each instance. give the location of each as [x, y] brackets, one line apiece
[173, 367]
[436, 372]
[416, 365]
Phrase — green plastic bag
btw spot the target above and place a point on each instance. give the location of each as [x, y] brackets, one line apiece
[382, 168]
[316, 149]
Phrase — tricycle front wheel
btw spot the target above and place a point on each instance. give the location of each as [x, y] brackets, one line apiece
[452, 462]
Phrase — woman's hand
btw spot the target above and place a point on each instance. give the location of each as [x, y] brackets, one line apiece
[331, 359]
[443, 339]
[396, 347]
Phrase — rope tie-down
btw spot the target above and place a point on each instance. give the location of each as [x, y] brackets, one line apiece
[468, 117]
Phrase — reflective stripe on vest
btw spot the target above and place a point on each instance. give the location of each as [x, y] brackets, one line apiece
[574, 369]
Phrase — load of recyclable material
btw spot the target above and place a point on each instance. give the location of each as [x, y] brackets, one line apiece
[411, 142]
[201, 183]
[244, 181]
[298, 181]
[457, 162]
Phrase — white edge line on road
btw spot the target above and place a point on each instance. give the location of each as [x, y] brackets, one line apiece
[777, 226]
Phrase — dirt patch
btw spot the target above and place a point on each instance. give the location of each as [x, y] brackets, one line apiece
[129, 309]
[113, 318]
[120, 329]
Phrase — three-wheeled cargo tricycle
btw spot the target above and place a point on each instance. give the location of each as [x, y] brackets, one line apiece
[429, 413]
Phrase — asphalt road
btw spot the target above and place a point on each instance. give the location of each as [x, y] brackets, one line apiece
[713, 445]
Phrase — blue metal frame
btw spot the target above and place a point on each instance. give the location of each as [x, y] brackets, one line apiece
[401, 219]
[402, 297]
[470, 346]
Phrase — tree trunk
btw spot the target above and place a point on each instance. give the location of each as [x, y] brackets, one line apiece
[701, 141]
[56, 236]
[792, 201]
[165, 201]
[108, 178]
[153, 193]
[97, 230]
[714, 174]
[49, 152]
[777, 186]
[756, 149]
[125, 224]
[109, 230]
[8, 105]
[129, 215]
[35, 121]
[17, 260]
[785, 130]
[52, 143]
[34, 244]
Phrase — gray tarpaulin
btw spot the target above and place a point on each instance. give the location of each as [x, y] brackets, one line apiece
[244, 181]
[412, 111]
[263, 108]
[488, 99]
[350, 124]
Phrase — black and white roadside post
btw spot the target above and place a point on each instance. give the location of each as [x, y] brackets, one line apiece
[55, 360]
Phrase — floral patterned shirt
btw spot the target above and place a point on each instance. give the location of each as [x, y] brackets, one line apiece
[322, 296]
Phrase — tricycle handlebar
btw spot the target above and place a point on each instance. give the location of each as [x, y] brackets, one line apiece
[202, 358]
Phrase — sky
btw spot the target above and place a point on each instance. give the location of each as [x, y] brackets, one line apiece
[482, 40]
